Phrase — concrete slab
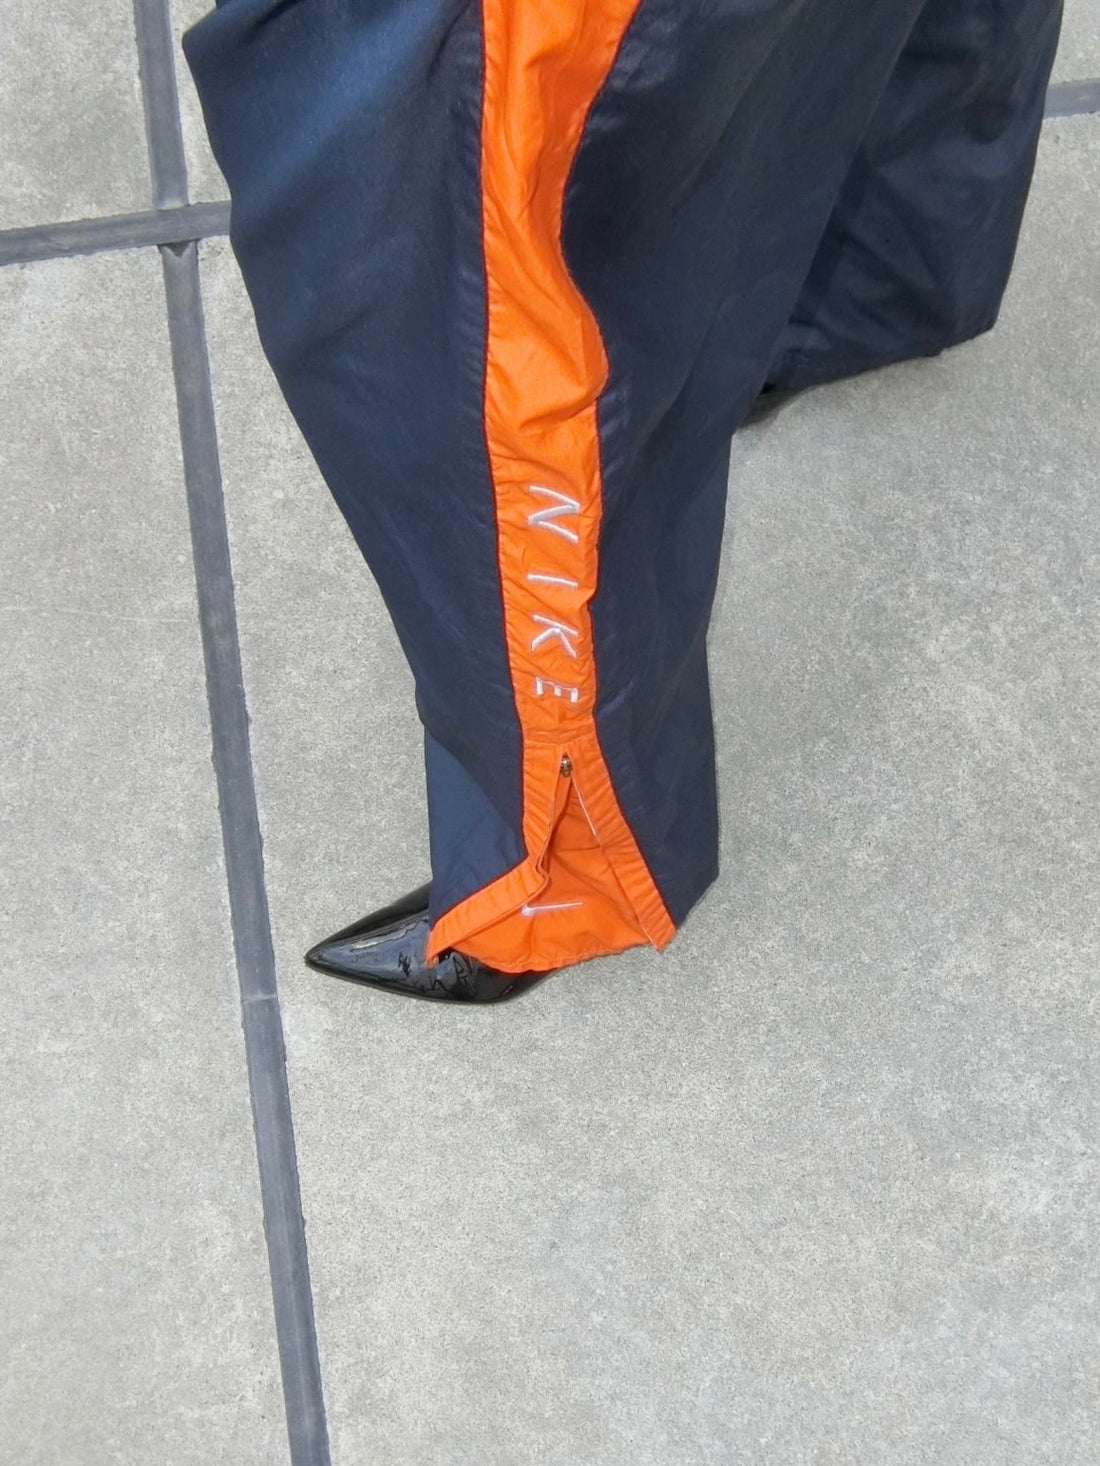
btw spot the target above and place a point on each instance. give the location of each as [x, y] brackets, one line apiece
[70, 113]
[204, 177]
[137, 1317]
[819, 1184]
[1078, 56]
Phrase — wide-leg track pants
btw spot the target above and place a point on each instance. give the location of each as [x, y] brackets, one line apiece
[520, 268]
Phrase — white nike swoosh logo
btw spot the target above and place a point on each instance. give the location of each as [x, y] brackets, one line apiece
[527, 910]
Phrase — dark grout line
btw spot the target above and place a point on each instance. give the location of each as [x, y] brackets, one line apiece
[120, 231]
[250, 918]
[163, 133]
[1073, 99]
[261, 1018]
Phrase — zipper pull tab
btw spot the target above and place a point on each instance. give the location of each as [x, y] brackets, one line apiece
[566, 765]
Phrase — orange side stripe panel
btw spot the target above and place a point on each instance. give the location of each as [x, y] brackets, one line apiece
[545, 370]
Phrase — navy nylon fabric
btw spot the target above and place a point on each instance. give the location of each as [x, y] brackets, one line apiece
[349, 135]
[703, 191]
[918, 249]
[788, 190]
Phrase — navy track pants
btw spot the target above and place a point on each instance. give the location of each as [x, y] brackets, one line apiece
[520, 268]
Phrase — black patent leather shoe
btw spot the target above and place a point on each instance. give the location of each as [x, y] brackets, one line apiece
[386, 950]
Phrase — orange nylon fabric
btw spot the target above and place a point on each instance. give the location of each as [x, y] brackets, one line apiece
[585, 888]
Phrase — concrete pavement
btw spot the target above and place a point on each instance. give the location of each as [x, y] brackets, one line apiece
[818, 1185]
